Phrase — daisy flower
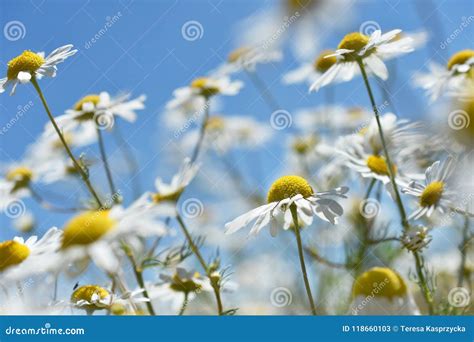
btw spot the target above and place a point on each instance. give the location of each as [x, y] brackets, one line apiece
[286, 193]
[364, 161]
[204, 88]
[371, 51]
[247, 58]
[172, 191]
[457, 73]
[224, 133]
[97, 111]
[435, 193]
[381, 291]
[96, 234]
[310, 72]
[182, 285]
[20, 259]
[28, 65]
[94, 297]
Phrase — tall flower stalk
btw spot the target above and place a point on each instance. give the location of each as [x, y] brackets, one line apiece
[406, 226]
[76, 164]
[294, 215]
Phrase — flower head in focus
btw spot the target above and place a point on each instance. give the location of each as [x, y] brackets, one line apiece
[28, 65]
[356, 47]
[435, 193]
[286, 194]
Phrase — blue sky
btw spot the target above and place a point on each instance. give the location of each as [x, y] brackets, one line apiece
[144, 52]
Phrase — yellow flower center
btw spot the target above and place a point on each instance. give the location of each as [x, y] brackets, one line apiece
[460, 57]
[204, 85]
[86, 293]
[57, 143]
[184, 285]
[238, 53]
[378, 165]
[87, 228]
[299, 5]
[354, 41]
[19, 174]
[169, 197]
[12, 253]
[28, 61]
[322, 64]
[303, 145]
[432, 194]
[79, 106]
[215, 123]
[289, 186]
[379, 282]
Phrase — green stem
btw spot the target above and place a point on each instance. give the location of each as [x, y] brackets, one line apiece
[138, 271]
[202, 132]
[105, 162]
[301, 256]
[384, 146]
[419, 268]
[84, 176]
[130, 159]
[203, 263]
[267, 96]
[185, 304]
[463, 249]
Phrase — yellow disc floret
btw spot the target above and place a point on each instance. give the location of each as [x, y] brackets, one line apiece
[379, 282]
[12, 253]
[289, 186]
[323, 63]
[378, 165]
[432, 194]
[205, 86]
[87, 228]
[186, 285]
[90, 294]
[28, 61]
[299, 5]
[303, 145]
[238, 54]
[460, 57]
[354, 41]
[19, 174]
[215, 123]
